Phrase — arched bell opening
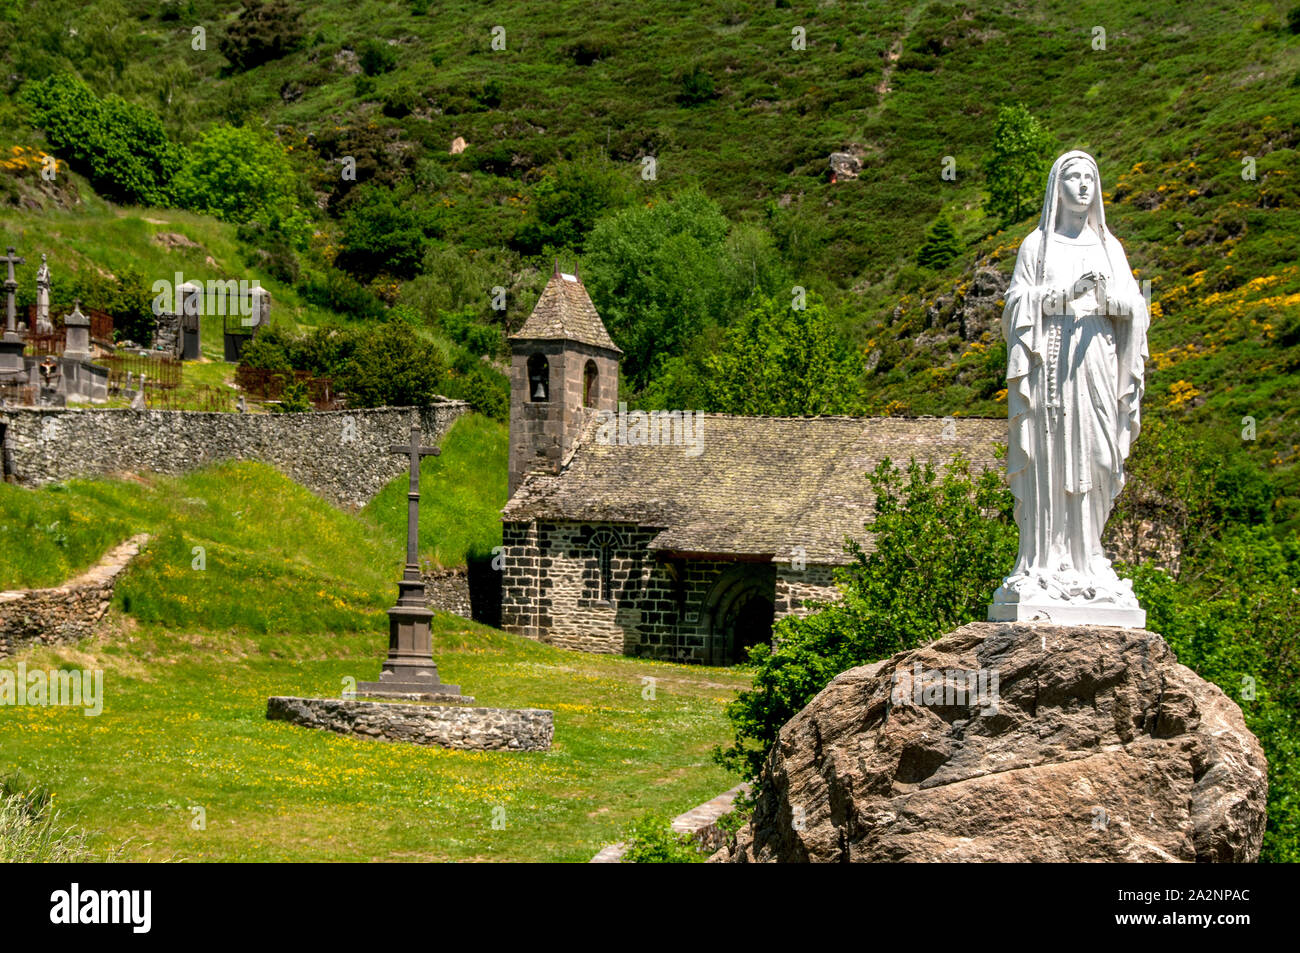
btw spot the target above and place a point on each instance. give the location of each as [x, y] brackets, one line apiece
[539, 378]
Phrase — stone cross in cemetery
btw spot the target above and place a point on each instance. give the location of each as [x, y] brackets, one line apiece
[12, 345]
[409, 669]
[11, 286]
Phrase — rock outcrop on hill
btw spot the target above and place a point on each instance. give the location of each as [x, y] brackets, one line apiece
[1066, 743]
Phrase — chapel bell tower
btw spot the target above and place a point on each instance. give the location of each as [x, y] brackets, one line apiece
[563, 365]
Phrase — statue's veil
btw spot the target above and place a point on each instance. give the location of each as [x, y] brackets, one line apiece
[1047, 221]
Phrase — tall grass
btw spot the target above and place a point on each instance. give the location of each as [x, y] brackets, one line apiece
[31, 831]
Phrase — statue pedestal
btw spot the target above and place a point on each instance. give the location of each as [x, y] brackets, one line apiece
[409, 670]
[1008, 607]
[11, 354]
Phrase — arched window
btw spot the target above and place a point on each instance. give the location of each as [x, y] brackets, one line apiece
[604, 542]
[539, 378]
[590, 385]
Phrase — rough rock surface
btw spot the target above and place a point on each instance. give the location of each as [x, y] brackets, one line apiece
[1096, 746]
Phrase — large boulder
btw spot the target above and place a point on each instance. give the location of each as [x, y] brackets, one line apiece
[1068, 743]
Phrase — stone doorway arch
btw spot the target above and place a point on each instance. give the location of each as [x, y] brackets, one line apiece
[738, 611]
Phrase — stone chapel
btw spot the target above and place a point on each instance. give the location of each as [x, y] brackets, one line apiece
[677, 535]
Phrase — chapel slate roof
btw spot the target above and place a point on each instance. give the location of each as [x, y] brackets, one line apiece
[761, 487]
[564, 312]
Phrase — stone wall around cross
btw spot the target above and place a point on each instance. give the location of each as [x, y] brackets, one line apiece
[341, 455]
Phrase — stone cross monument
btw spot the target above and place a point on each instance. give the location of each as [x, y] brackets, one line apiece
[12, 344]
[1075, 324]
[409, 669]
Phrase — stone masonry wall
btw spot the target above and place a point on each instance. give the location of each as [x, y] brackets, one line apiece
[448, 591]
[447, 726]
[66, 613]
[342, 454]
[656, 608]
[795, 587]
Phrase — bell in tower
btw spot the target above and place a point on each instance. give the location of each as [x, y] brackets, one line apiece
[564, 366]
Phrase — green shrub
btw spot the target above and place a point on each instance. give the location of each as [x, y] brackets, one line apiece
[126, 295]
[485, 390]
[943, 544]
[342, 294]
[490, 94]
[268, 350]
[400, 102]
[650, 839]
[122, 148]
[241, 175]
[465, 329]
[391, 366]
[264, 30]
[383, 233]
[294, 399]
[377, 57]
[696, 87]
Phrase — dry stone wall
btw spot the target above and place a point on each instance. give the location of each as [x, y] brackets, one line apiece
[66, 613]
[341, 455]
[447, 726]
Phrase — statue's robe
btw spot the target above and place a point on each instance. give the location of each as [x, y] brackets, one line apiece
[1074, 385]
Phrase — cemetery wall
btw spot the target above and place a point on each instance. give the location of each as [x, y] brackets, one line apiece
[341, 455]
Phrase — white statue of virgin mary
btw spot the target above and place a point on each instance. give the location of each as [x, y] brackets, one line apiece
[1075, 324]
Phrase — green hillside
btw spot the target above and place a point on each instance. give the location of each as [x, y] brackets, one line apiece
[52, 534]
[559, 121]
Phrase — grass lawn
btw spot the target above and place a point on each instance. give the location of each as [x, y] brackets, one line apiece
[252, 587]
[184, 726]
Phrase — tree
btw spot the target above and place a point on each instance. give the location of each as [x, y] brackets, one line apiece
[653, 271]
[567, 201]
[377, 57]
[782, 361]
[392, 366]
[264, 30]
[943, 544]
[383, 233]
[241, 175]
[121, 147]
[941, 244]
[1018, 163]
